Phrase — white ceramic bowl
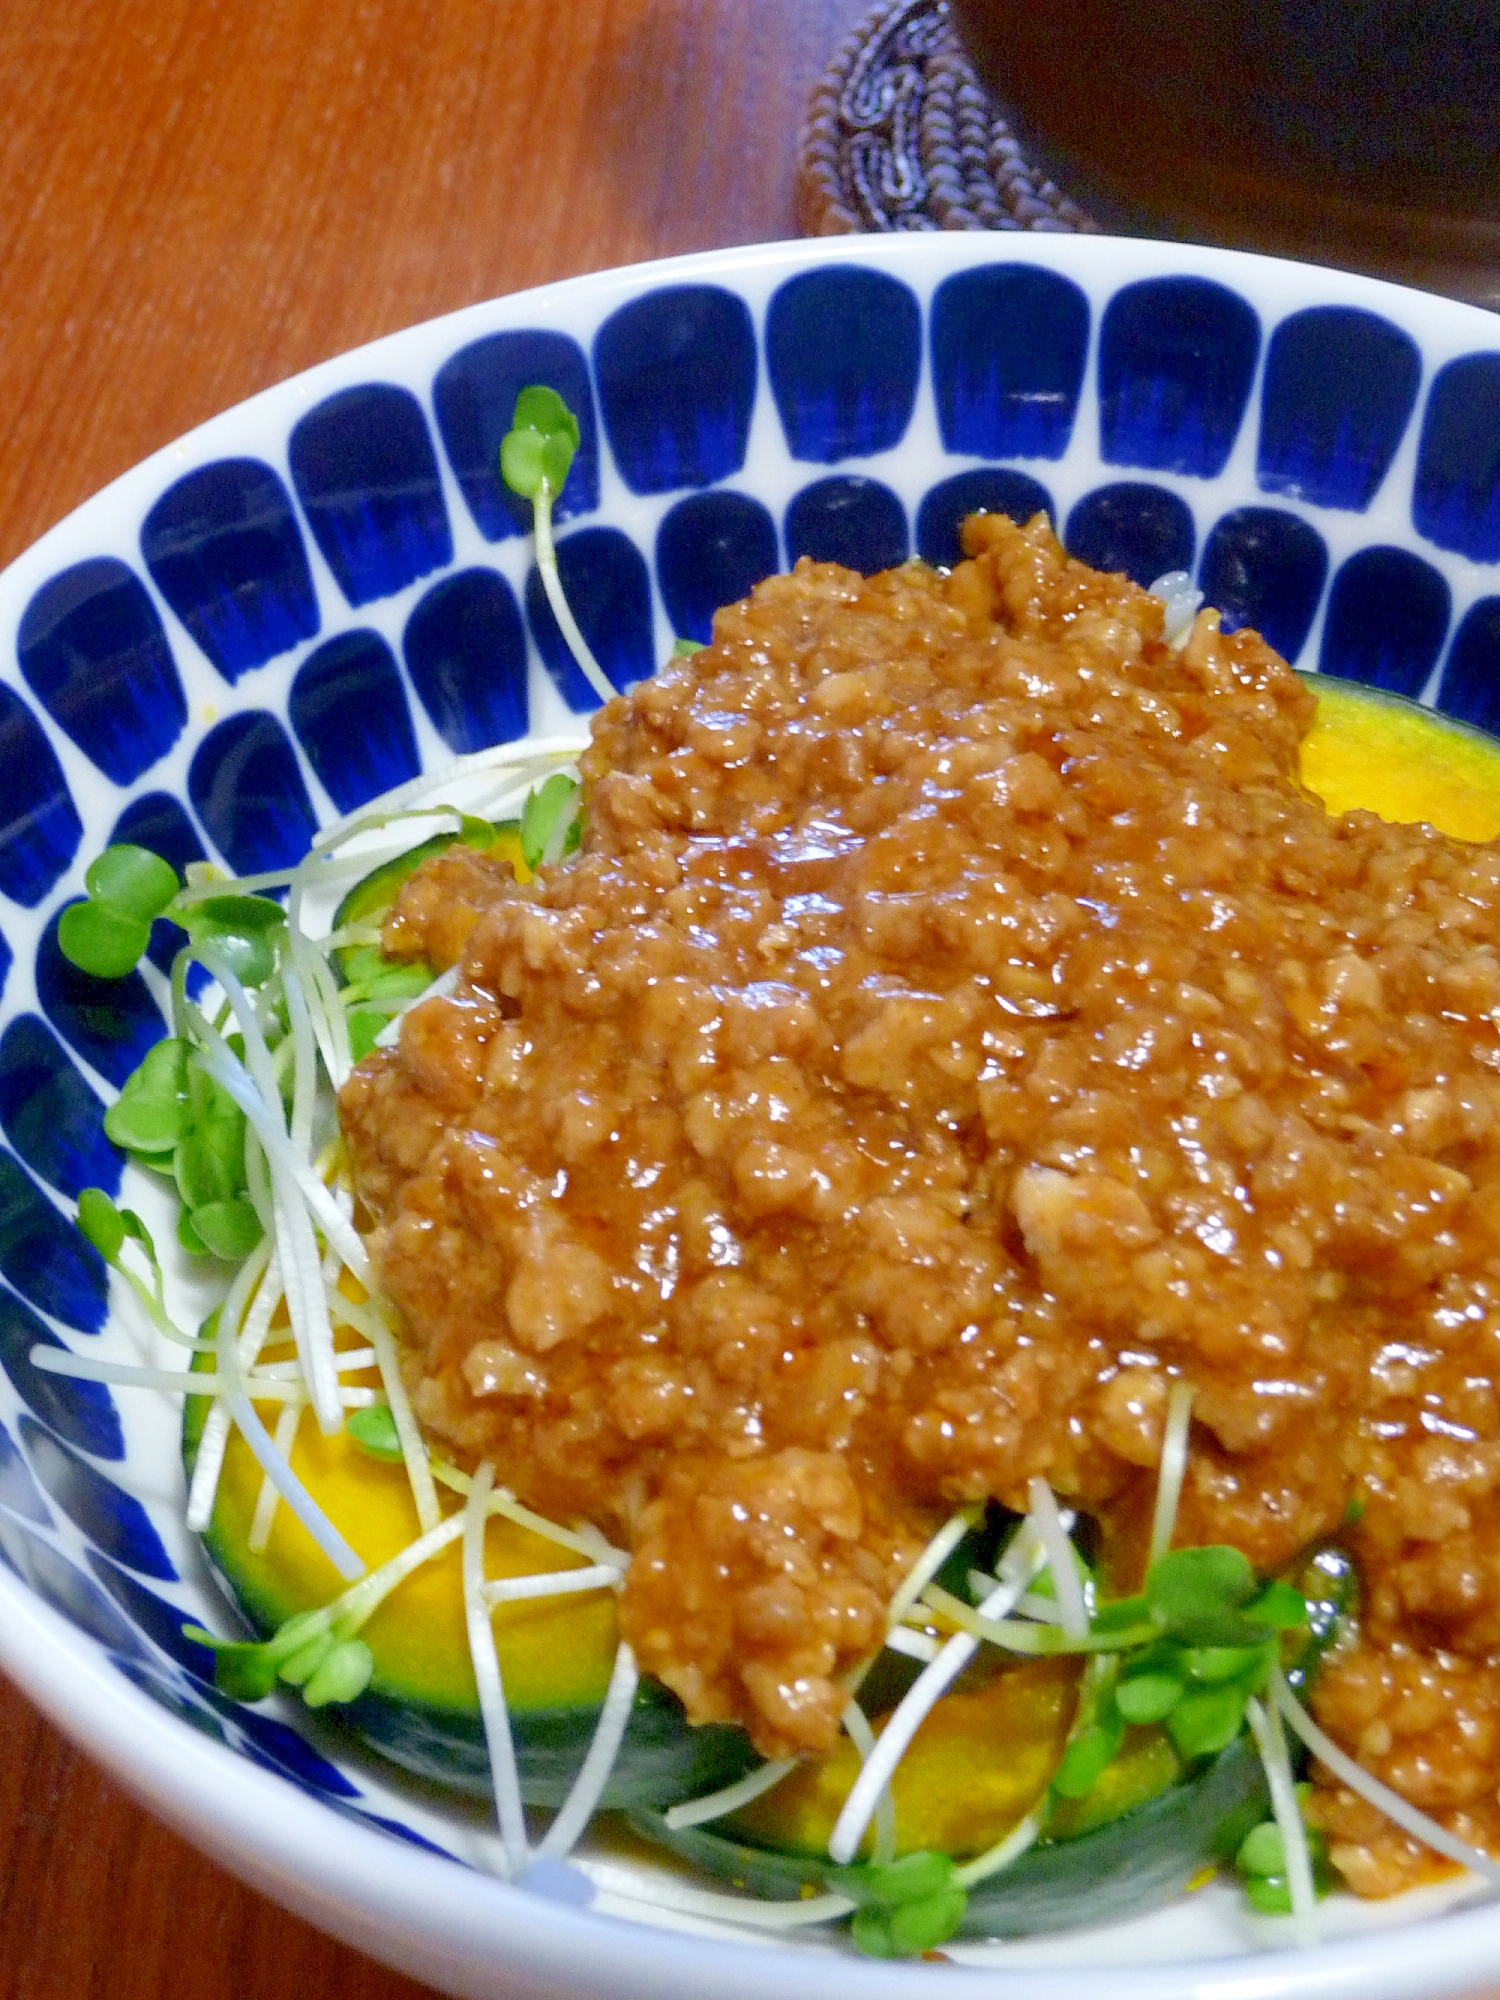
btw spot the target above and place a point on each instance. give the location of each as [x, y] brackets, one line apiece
[323, 590]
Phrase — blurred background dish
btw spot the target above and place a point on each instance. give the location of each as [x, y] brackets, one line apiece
[1364, 133]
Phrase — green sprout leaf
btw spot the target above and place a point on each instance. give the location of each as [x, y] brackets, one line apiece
[209, 1163]
[684, 649]
[247, 1670]
[1121, 1614]
[907, 1906]
[228, 1229]
[134, 879]
[1207, 1719]
[374, 1430]
[365, 1023]
[304, 1652]
[101, 1223]
[152, 1111]
[1148, 1697]
[106, 1227]
[299, 1667]
[911, 1928]
[188, 1237]
[474, 832]
[1194, 1585]
[172, 1116]
[538, 450]
[128, 887]
[369, 975]
[1214, 1664]
[1084, 1760]
[1279, 1606]
[244, 931]
[343, 1675]
[911, 1879]
[1261, 1860]
[243, 1670]
[102, 938]
[238, 916]
[1262, 1851]
[541, 813]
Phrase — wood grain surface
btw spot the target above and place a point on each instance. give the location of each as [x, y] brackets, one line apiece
[197, 198]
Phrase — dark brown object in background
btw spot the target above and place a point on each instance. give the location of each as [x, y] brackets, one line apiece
[1357, 132]
[901, 135]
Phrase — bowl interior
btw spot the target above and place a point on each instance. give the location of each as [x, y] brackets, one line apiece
[327, 591]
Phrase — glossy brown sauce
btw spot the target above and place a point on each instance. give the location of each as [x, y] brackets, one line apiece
[957, 1023]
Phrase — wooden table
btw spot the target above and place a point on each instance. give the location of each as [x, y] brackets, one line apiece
[197, 198]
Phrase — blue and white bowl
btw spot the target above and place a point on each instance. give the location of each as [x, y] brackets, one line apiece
[326, 590]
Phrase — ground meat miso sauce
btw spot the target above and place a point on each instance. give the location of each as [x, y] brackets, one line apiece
[959, 1022]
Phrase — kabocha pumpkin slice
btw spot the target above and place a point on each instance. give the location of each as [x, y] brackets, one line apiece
[1140, 1857]
[1381, 753]
[420, 1708]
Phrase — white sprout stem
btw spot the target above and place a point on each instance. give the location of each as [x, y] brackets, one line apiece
[927, 1565]
[207, 1466]
[444, 984]
[264, 1518]
[203, 887]
[413, 1449]
[1043, 1609]
[1048, 1521]
[362, 933]
[862, 1736]
[1408, 1817]
[717, 1805]
[255, 1323]
[231, 1074]
[183, 1382]
[592, 1544]
[521, 761]
[493, 1709]
[253, 1086]
[338, 1023]
[1173, 1469]
[295, 1189]
[351, 1610]
[1027, 1636]
[1269, 1741]
[562, 826]
[360, 1314]
[552, 1583]
[260, 1274]
[258, 1183]
[304, 1059]
[308, 1512]
[1004, 1852]
[911, 1711]
[306, 1301]
[756, 1912]
[1176, 591]
[351, 1360]
[357, 1604]
[587, 1788]
[567, 624]
[309, 976]
[915, 1645]
[142, 1308]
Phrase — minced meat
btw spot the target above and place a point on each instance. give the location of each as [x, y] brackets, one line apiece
[959, 1022]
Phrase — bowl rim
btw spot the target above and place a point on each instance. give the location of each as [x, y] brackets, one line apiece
[460, 1928]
